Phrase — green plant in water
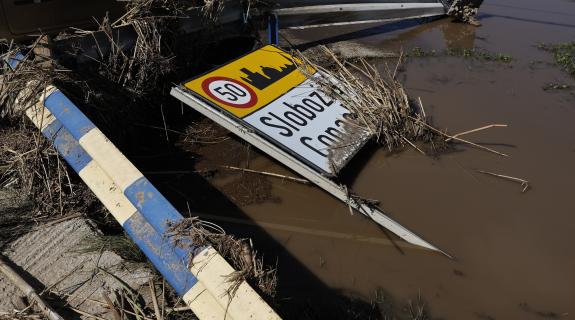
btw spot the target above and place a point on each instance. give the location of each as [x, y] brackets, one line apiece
[420, 52]
[563, 54]
[478, 54]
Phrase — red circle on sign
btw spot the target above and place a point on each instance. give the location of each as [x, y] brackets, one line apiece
[251, 97]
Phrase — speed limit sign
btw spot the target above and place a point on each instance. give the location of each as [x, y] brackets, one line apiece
[230, 92]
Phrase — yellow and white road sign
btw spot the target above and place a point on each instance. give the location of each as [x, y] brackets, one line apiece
[264, 99]
[266, 91]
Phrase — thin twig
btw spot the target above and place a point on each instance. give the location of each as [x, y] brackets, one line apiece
[414, 146]
[155, 301]
[275, 175]
[458, 139]
[524, 183]
[164, 121]
[475, 130]
[86, 314]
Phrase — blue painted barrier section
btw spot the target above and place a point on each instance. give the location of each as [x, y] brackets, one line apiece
[156, 209]
[68, 114]
[67, 146]
[161, 253]
[158, 249]
[147, 198]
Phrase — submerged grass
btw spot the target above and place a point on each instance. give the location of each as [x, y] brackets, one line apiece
[563, 54]
[475, 54]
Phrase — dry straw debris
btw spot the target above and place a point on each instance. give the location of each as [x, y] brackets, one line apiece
[379, 102]
[193, 233]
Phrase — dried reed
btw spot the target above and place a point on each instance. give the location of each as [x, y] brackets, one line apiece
[238, 252]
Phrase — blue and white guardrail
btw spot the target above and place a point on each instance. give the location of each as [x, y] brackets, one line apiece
[154, 246]
[144, 213]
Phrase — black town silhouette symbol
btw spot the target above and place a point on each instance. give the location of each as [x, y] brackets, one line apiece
[268, 76]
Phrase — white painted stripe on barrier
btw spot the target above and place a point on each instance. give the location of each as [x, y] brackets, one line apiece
[114, 163]
[204, 305]
[200, 301]
[40, 116]
[214, 272]
[102, 186]
[108, 192]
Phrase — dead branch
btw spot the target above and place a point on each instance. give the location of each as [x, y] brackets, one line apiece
[155, 300]
[30, 293]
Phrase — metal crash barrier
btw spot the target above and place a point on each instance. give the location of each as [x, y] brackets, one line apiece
[322, 13]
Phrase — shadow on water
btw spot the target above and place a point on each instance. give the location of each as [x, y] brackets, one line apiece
[483, 16]
[380, 29]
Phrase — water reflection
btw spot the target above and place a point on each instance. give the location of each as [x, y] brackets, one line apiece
[458, 35]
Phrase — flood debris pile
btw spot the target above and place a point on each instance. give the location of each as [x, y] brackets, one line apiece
[30, 166]
[21, 83]
[465, 11]
[378, 101]
[194, 233]
[380, 104]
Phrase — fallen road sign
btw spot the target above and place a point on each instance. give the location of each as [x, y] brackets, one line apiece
[260, 97]
[266, 92]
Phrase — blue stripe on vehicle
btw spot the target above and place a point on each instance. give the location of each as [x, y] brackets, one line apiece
[68, 114]
[67, 146]
[161, 253]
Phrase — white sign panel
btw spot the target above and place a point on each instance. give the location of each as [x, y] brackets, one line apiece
[266, 91]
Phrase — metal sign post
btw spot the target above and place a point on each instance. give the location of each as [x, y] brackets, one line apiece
[267, 101]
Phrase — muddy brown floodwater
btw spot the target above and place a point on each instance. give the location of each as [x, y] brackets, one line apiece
[514, 256]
